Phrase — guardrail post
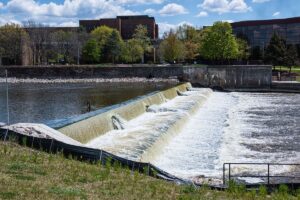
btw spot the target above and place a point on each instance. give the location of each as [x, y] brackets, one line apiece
[268, 173]
[229, 171]
[224, 174]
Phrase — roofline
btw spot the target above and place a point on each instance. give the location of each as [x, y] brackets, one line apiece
[53, 27]
[118, 17]
[266, 22]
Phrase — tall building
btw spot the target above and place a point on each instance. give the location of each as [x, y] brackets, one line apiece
[258, 33]
[126, 25]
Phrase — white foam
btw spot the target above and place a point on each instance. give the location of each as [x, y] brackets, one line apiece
[222, 131]
[153, 127]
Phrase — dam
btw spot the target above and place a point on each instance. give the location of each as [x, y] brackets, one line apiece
[188, 132]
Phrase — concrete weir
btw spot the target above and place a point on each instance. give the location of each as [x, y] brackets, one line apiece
[88, 126]
[136, 129]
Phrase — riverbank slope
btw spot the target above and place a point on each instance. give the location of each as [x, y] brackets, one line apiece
[29, 174]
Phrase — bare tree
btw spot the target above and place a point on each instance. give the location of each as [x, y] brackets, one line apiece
[39, 40]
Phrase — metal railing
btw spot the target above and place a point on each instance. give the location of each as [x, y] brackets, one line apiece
[268, 170]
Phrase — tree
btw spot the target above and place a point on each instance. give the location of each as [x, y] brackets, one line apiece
[39, 35]
[291, 57]
[133, 51]
[101, 35]
[64, 43]
[256, 53]
[191, 39]
[13, 40]
[141, 37]
[82, 38]
[276, 51]
[90, 52]
[218, 43]
[172, 48]
[114, 46]
[243, 49]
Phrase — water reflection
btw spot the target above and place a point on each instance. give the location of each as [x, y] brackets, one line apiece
[41, 102]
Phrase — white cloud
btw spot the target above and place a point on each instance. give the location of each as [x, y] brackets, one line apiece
[150, 11]
[172, 9]
[68, 24]
[260, 1]
[228, 20]
[68, 10]
[166, 27]
[276, 14]
[4, 19]
[225, 6]
[138, 1]
[202, 14]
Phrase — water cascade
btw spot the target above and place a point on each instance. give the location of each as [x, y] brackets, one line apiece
[90, 126]
[144, 136]
[118, 122]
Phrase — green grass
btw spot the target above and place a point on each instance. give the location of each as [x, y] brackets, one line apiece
[31, 174]
[295, 69]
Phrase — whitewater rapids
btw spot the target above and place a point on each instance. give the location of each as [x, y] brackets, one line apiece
[142, 138]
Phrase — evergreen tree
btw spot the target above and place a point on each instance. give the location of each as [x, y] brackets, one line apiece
[291, 57]
[256, 53]
[276, 51]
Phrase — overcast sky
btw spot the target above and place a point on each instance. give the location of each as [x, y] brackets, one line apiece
[168, 13]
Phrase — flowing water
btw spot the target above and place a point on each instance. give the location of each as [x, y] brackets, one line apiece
[192, 135]
[142, 138]
[36, 102]
[189, 136]
[235, 127]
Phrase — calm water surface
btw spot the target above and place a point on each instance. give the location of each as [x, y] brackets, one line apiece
[33, 102]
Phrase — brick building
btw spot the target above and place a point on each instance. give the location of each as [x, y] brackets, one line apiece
[126, 25]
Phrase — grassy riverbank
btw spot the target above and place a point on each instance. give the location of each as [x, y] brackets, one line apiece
[295, 69]
[31, 174]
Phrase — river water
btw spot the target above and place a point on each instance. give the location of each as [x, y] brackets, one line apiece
[35, 102]
[235, 127]
[225, 127]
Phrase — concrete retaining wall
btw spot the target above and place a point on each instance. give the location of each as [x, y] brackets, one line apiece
[229, 76]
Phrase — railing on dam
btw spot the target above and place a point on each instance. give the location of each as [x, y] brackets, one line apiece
[266, 173]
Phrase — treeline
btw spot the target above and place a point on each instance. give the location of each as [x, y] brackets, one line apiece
[42, 45]
[216, 44]
[105, 45]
